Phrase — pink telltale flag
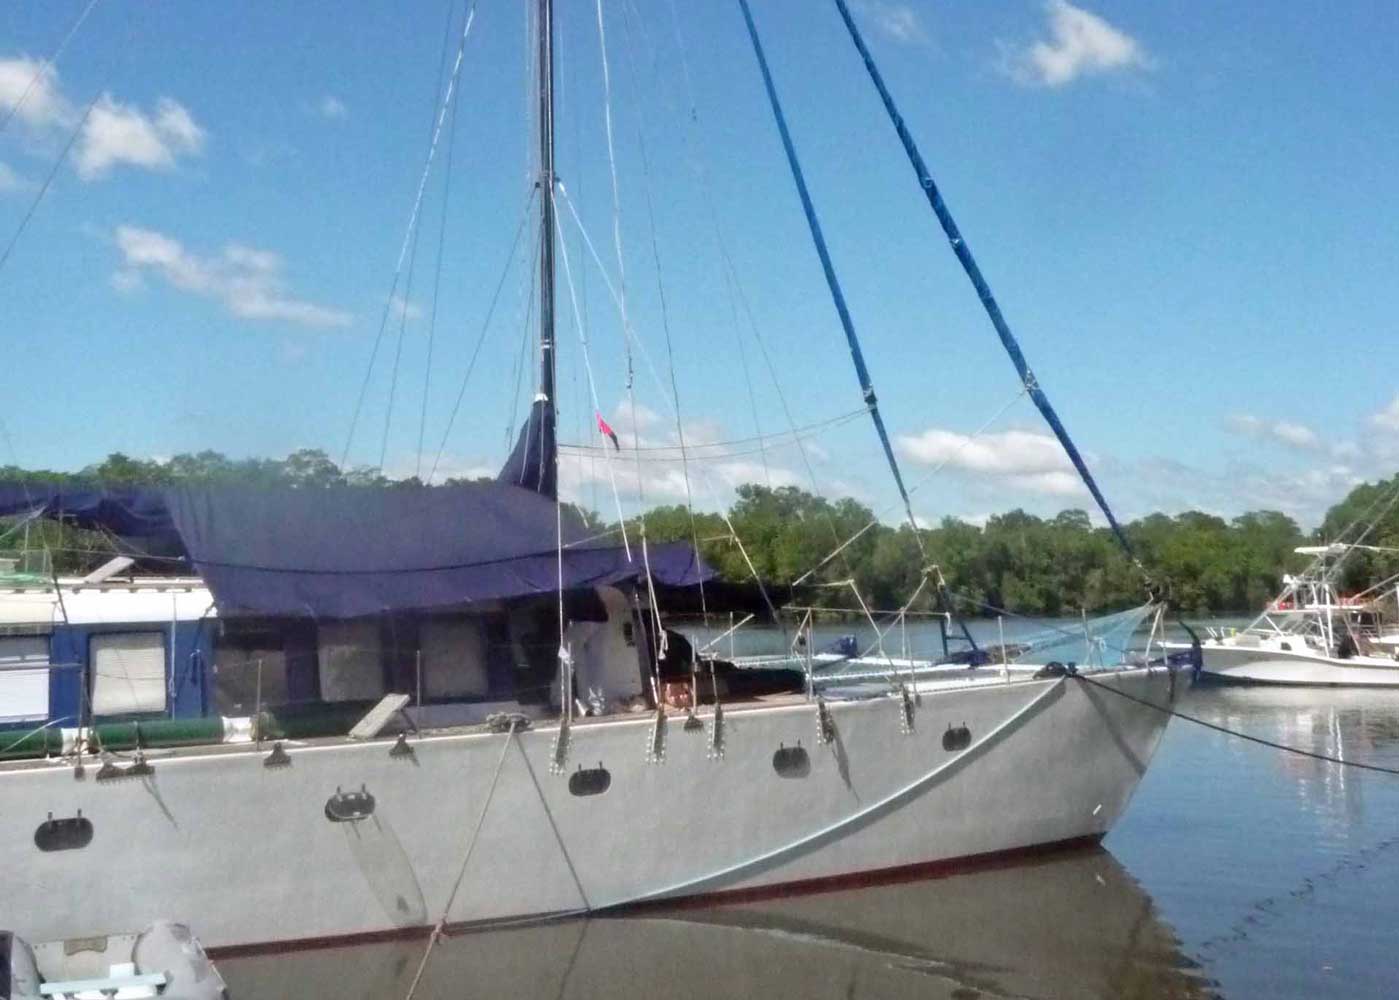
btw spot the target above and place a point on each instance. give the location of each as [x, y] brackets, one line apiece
[606, 428]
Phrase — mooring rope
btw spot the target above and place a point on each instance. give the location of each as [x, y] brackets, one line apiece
[466, 860]
[1285, 747]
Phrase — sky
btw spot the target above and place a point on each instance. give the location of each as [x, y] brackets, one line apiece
[1186, 211]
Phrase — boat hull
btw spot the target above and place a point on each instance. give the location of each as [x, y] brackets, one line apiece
[277, 855]
[1267, 664]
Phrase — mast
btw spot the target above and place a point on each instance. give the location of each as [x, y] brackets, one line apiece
[546, 235]
[534, 462]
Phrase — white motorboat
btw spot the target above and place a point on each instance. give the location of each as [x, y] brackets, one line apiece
[1311, 634]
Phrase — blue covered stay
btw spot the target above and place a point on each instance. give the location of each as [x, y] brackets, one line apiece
[345, 552]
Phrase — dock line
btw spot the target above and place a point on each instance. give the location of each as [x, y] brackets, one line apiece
[1286, 748]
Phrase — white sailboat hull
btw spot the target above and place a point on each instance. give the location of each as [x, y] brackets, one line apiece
[248, 852]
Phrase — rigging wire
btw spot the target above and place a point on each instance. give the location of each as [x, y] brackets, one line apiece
[733, 289]
[73, 135]
[983, 290]
[729, 273]
[665, 315]
[669, 454]
[627, 333]
[441, 246]
[405, 303]
[48, 181]
[651, 369]
[1248, 737]
[876, 520]
[592, 384]
[409, 234]
[691, 447]
[527, 340]
[46, 66]
[737, 295]
[828, 267]
[481, 337]
[29, 214]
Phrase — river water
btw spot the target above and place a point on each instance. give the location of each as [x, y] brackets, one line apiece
[1237, 871]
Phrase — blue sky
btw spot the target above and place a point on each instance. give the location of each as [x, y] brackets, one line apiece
[1187, 212]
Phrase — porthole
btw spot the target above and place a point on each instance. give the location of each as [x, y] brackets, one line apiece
[590, 781]
[791, 762]
[957, 738]
[70, 834]
[346, 807]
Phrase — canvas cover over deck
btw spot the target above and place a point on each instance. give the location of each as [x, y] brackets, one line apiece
[345, 552]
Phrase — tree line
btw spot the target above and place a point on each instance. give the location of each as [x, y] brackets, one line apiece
[1016, 561]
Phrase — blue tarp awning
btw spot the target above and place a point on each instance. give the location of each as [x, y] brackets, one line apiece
[344, 552]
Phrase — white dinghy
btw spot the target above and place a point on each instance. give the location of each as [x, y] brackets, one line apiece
[165, 960]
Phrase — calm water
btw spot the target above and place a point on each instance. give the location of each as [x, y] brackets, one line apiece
[1237, 872]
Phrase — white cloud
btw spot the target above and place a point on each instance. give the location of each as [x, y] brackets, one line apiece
[1304, 494]
[898, 21]
[1296, 435]
[1080, 43]
[1285, 432]
[332, 108]
[114, 134]
[1387, 419]
[717, 464]
[248, 282]
[1028, 460]
[118, 134]
[29, 91]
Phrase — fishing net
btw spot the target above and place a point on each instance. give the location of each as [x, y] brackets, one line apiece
[1095, 642]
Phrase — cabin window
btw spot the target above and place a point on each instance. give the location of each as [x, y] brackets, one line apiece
[534, 649]
[243, 649]
[128, 673]
[351, 661]
[454, 658]
[24, 678]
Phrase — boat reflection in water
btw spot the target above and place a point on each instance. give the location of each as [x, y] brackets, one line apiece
[1343, 724]
[1069, 925]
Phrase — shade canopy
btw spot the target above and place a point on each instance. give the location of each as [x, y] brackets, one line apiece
[344, 552]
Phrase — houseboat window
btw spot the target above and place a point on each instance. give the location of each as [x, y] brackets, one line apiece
[454, 658]
[351, 661]
[128, 673]
[24, 678]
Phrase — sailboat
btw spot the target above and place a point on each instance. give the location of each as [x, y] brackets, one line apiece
[450, 710]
